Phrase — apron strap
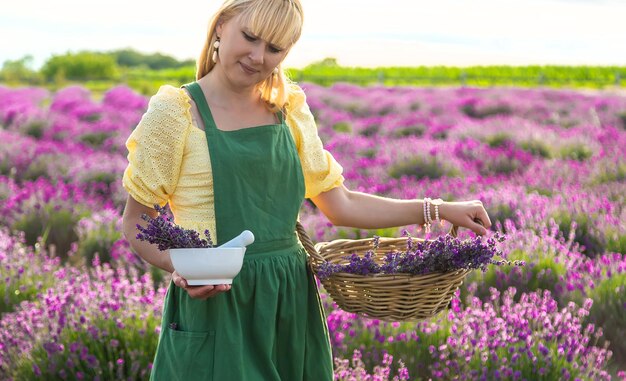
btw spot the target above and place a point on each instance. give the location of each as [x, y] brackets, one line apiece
[203, 107]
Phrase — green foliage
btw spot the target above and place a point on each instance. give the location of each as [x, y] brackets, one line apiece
[499, 139]
[49, 165]
[440, 135]
[622, 118]
[540, 191]
[34, 128]
[536, 147]
[501, 212]
[536, 367]
[147, 72]
[25, 274]
[577, 151]
[402, 132]
[354, 233]
[541, 272]
[91, 117]
[344, 127]
[56, 225]
[593, 241]
[386, 110]
[485, 112]
[97, 235]
[607, 172]
[419, 167]
[369, 153]
[19, 71]
[98, 242]
[154, 61]
[409, 343]
[115, 346]
[94, 139]
[327, 72]
[607, 311]
[180, 75]
[370, 130]
[80, 66]
[358, 109]
[500, 165]
[615, 242]
[147, 81]
[6, 169]
[106, 178]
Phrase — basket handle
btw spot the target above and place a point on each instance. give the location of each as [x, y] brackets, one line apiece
[454, 230]
[307, 243]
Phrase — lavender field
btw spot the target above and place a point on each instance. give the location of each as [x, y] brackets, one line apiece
[549, 165]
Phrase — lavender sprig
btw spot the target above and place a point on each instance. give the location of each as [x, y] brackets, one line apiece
[162, 231]
[443, 254]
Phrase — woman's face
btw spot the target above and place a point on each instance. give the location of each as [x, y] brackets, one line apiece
[245, 58]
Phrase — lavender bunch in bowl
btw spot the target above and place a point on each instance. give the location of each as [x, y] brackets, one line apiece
[162, 231]
[444, 254]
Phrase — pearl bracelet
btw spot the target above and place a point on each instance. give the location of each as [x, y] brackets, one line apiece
[427, 216]
[427, 219]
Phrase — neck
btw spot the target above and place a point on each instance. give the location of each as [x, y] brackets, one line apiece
[223, 93]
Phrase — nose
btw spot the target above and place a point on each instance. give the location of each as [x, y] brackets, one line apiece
[256, 54]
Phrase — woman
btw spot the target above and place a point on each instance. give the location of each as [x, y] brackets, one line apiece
[238, 149]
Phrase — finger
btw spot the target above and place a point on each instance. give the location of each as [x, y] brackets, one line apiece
[178, 280]
[484, 219]
[205, 292]
[200, 292]
[477, 226]
[218, 290]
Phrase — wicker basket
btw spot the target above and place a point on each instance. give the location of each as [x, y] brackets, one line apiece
[397, 297]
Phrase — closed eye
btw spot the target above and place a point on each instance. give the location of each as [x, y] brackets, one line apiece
[249, 37]
[272, 48]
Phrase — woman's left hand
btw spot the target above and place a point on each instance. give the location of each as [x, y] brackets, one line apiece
[467, 214]
[199, 292]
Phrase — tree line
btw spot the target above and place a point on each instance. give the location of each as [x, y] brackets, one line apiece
[86, 65]
[146, 72]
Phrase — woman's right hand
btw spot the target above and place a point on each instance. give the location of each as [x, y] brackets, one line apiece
[199, 292]
[468, 214]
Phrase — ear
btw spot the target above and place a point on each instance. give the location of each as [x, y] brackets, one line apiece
[219, 26]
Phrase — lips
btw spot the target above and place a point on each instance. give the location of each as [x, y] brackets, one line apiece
[247, 68]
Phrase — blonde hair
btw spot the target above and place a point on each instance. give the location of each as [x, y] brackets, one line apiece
[277, 21]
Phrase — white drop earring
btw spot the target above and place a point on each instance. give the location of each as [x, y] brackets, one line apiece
[216, 46]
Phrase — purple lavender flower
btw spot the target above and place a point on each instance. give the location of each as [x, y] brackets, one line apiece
[444, 254]
[162, 231]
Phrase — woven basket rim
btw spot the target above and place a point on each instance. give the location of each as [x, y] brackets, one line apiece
[394, 275]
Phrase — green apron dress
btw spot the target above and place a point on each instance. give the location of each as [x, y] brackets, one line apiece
[270, 325]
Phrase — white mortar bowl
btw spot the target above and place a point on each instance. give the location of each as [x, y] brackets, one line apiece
[208, 266]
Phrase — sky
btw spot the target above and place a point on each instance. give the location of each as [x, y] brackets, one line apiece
[365, 33]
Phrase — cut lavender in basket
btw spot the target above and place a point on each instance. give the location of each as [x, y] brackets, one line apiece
[162, 231]
[444, 254]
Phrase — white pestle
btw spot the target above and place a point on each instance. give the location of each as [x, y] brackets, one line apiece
[244, 239]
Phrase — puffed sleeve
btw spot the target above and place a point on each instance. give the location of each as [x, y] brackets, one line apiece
[321, 171]
[155, 148]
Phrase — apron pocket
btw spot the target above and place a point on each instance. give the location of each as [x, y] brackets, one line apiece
[185, 356]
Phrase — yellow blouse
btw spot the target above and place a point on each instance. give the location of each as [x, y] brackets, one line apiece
[168, 158]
